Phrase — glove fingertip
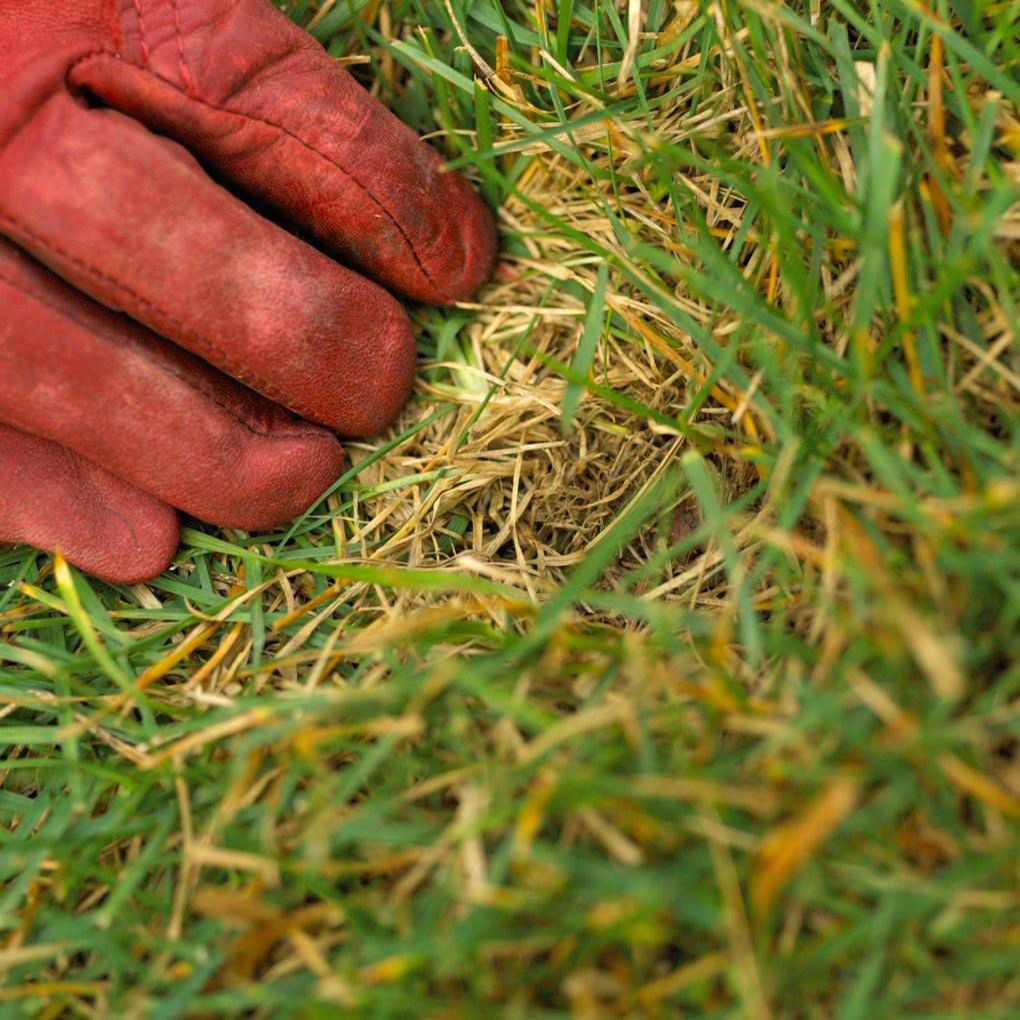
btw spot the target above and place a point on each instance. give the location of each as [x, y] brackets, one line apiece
[54, 499]
[132, 551]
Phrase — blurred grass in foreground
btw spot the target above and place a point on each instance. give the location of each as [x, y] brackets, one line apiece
[665, 662]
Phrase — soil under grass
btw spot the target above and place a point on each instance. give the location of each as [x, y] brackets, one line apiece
[665, 659]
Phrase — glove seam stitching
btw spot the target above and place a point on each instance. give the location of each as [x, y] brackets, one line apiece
[293, 137]
[251, 379]
[141, 32]
[189, 82]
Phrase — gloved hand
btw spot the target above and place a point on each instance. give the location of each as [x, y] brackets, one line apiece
[137, 139]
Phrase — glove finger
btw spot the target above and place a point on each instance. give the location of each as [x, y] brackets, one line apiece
[99, 384]
[262, 102]
[133, 220]
[55, 500]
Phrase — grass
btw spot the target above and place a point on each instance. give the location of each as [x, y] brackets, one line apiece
[665, 660]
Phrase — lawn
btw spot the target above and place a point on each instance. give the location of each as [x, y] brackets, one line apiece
[664, 660]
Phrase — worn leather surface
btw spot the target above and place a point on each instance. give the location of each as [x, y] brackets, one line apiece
[133, 136]
[52, 497]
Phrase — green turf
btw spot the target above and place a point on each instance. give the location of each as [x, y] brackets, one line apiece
[799, 798]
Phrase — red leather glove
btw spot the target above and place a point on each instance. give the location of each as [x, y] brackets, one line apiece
[123, 123]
